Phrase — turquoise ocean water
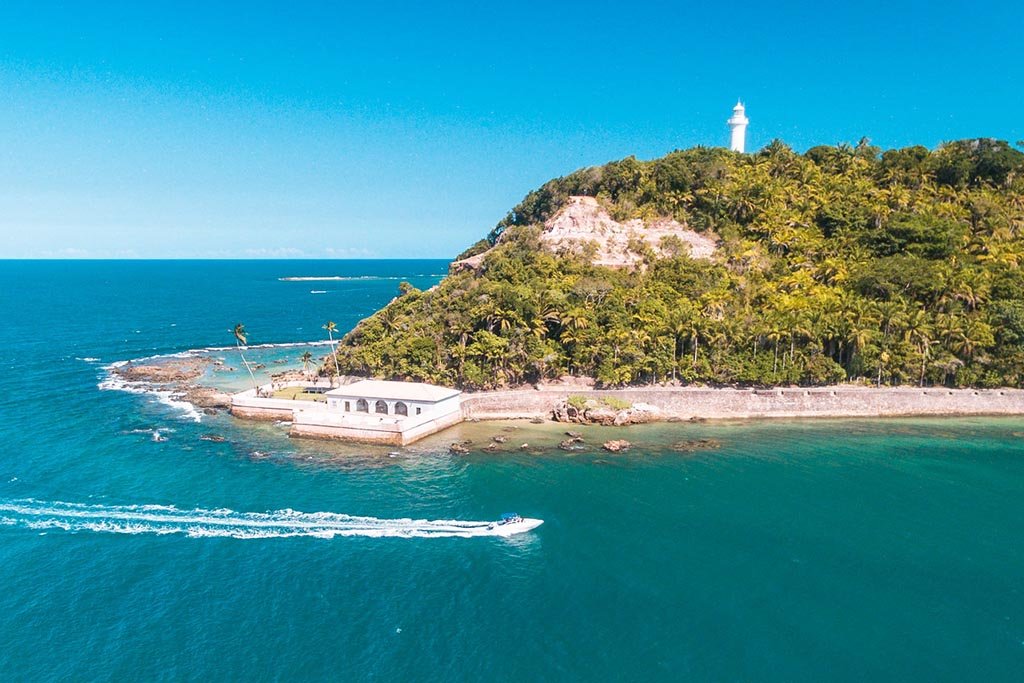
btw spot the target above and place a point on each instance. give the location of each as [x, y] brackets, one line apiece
[799, 551]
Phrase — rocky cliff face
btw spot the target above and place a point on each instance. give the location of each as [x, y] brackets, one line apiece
[584, 222]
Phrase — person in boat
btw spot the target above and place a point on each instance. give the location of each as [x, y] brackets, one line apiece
[510, 518]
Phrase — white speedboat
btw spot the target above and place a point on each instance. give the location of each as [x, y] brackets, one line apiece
[510, 523]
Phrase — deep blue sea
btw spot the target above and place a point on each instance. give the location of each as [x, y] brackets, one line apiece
[133, 550]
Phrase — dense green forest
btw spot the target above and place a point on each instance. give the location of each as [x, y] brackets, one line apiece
[840, 264]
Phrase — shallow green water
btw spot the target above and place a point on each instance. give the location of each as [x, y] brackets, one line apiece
[833, 550]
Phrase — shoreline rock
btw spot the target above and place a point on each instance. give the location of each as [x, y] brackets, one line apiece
[206, 397]
[177, 370]
[604, 412]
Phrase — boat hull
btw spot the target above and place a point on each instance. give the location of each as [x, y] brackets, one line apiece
[520, 527]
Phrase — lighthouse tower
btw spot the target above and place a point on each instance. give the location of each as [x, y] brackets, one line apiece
[738, 126]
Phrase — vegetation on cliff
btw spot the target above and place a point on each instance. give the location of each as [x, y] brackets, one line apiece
[843, 263]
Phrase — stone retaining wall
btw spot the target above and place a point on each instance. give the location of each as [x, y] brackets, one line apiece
[710, 403]
[323, 427]
[261, 413]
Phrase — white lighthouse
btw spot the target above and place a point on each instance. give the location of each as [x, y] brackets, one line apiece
[738, 126]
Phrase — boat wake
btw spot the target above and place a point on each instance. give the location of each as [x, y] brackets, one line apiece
[29, 513]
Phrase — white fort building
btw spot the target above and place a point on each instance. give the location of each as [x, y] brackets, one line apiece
[395, 413]
[738, 125]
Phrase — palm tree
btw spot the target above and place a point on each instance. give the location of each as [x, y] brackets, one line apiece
[241, 339]
[774, 335]
[919, 331]
[331, 329]
[305, 358]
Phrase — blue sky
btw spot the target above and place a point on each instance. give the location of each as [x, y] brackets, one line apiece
[375, 130]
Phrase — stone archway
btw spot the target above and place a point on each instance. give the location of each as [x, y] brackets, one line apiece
[401, 409]
[362, 406]
[380, 407]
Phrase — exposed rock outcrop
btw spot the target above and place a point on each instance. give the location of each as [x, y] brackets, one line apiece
[459, 448]
[584, 222]
[595, 411]
[572, 444]
[162, 373]
[207, 397]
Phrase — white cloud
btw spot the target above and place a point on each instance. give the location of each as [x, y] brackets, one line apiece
[275, 252]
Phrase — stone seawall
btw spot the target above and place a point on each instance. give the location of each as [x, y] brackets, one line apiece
[257, 413]
[391, 434]
[710, 403]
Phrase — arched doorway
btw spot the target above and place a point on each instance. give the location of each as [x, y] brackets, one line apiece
[380, 407]
[362, 406]
[401, 409]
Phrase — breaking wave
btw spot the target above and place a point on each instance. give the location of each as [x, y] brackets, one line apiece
[192, 353]
[223, 523]
[172, 399]
[114, 383]
[282, 345]
[351, 278]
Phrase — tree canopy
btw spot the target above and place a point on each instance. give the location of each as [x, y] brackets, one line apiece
[842, 263]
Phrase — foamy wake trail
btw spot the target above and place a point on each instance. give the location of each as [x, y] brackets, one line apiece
[199, 523]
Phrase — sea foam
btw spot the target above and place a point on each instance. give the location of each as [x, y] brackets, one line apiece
[352, 278]
[113, 382]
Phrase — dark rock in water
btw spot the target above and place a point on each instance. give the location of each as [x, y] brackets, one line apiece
[537, 421]
[491, 447]
[570, 445]
[499, 439]
[696, 445]
[510, 428]
[524, 447]
[574, 435]
[216, 438]
[259, 455]
[698, 419]
[459, 448]
[209, 411]
[616, 445]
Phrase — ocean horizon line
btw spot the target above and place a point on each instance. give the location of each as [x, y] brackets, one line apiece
[260, 259]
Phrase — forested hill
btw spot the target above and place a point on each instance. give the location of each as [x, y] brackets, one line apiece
[842, 263]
